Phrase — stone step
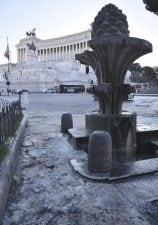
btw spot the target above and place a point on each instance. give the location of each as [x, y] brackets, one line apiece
[79, 138]
[154, 146]
[154, 143]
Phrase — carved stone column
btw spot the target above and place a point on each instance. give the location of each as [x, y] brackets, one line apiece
[113, 52]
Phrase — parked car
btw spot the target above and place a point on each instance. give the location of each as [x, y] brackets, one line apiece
[131, 96]
[49, 90]
[21, 90]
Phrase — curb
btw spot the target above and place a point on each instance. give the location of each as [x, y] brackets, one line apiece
[8, 166]
[139, 94]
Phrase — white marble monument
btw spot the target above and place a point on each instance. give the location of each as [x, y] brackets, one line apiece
[43, 64]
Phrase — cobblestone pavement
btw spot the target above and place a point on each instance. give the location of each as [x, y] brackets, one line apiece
[46, 190]
[84, 103]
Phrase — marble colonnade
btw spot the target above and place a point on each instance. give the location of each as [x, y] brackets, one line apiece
[56, 49]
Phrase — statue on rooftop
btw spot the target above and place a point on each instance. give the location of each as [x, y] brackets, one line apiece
[31, 46]
[31, 33]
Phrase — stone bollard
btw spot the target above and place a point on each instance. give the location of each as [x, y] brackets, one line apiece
[66, 122]
[24, 99]
[99, 152]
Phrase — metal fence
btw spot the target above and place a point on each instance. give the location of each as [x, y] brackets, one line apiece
[10, 116]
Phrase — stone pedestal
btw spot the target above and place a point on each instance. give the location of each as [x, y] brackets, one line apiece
[122, 129]
[32, 58]
[24, 100]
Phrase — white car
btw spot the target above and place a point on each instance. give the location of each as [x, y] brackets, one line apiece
[131, 96]
[49, 90]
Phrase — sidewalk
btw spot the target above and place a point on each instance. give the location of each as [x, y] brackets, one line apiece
[47, 191]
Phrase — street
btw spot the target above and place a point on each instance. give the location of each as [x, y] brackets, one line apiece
[84, 103]
[146, 107]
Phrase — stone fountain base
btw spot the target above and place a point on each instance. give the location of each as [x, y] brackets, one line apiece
[146, 139]
[128, 161]
[122, 129]
[118, 171]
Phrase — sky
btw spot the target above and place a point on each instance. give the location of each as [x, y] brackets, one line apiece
[57, 18]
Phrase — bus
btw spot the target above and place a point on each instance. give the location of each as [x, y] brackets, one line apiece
[70, 88]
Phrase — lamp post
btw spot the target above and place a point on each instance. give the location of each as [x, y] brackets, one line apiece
[7, 82]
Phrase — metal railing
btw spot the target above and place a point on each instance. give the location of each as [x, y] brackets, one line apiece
[10, 116]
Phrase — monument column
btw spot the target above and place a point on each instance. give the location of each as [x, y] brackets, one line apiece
[22, 55]
[57, 53]
[60, 53]
[42, 55]
[18, 56]
[52, 54]
[68, 51]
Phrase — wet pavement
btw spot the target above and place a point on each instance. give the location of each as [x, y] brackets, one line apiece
[47, 191]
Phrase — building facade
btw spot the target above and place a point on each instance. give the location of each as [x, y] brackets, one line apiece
[55, 49]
